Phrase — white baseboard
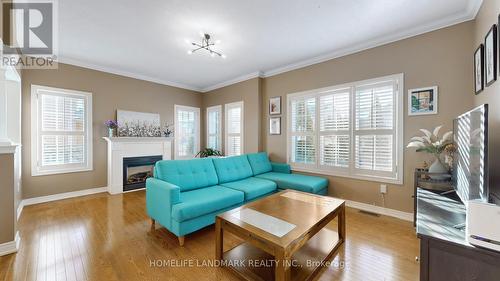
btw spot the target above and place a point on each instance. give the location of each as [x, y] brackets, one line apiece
[10, 247]
[60, 196]
[380, 210]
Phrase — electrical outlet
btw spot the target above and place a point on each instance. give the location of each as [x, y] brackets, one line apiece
[383, 188]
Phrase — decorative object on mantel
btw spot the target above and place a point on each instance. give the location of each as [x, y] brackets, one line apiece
[432, 144]
[209, 152]
[168, 130]
[275, 105]
[423, 101]
[138, 124]
[111, 125]
[490, 56]
[479, 69]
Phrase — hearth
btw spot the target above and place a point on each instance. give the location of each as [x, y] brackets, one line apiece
[136, 170]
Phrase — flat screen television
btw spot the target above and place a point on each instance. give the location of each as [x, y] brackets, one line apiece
[470, 166]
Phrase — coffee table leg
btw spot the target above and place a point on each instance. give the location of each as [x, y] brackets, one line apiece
[282, 270]
[341, 223]
[219, 236]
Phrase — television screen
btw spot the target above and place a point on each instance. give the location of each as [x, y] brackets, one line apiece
[470, 166]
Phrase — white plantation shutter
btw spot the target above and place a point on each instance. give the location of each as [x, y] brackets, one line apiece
[214, 127]
[374, 129]
[61, 141]
[234, 128]
[303, 120]
[352, 130]
[187, 128]
[334, 132]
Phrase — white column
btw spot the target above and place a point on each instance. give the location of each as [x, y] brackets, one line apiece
[4, 140]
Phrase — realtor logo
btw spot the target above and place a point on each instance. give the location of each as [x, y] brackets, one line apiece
[28, 34]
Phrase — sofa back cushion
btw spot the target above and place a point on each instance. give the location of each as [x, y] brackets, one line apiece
[232, 168]
[187, 174]
[260, 163]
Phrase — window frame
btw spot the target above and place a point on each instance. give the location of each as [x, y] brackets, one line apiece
[215, 108]
[396, 177]
[227, 106]
[196, 110]
[36, 169]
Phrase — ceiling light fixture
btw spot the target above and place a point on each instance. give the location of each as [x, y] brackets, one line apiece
[206, 44]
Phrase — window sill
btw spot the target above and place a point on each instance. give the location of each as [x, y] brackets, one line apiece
[342, 175]
[36, 173]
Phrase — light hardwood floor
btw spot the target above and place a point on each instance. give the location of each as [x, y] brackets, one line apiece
[104, 237]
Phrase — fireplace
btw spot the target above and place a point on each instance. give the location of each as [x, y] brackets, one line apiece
[136, 170]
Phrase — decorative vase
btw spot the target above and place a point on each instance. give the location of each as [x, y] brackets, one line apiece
[111, 132]
[438, 167]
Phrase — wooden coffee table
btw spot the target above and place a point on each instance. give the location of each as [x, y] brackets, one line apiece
[285, 235]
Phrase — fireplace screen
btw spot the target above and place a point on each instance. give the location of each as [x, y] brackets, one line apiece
[136, 170]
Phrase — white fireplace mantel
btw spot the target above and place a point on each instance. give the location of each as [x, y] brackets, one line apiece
[121, 147]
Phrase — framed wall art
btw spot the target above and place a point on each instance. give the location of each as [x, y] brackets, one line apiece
[479, 69]
[423, 101]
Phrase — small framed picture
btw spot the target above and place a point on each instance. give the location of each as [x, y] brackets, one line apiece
[275, 126]
[490, 56]
[275, 105]
[479, 69]
[423, 101]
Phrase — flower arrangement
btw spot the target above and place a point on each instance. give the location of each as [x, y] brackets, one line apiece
[435, 145]
[111, 124]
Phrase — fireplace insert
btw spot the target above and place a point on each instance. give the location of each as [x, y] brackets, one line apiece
[136, 170]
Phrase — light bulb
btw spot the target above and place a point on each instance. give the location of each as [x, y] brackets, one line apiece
[223, 56]
[212, 54]
[190, 52]
[217, 41]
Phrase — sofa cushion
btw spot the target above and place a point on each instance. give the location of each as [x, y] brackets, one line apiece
[252, 187]
[187, 174]
[203, 201]
[296, 181]
[232, 168]
[260, 163]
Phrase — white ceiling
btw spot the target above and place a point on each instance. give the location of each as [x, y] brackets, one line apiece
[147, 39]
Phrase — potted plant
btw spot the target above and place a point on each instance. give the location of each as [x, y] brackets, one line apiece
[209, 152]
[434, 145]
[111, 125]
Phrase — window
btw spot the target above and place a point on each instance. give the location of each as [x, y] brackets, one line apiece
[234, 128]
[352, 130]
[61, 140]
[187, 131]
[214, 117]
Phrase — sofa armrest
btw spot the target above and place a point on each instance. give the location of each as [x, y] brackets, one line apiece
[160, 197]
[281, 168]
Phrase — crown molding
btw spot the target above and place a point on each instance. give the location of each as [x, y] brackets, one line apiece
[232, 81]
[469, 14]
[115, 71]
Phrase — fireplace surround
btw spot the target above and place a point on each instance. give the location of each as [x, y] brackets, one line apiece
[137, 169]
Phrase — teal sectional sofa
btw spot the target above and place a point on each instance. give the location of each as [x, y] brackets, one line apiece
[186, 195]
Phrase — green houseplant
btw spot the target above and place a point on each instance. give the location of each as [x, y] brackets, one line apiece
[209, 152]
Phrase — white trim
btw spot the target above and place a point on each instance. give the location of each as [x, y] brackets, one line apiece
[215, 108]
[380, 210]
[8, 149]
[19, 210]
[196, 110]
[61, 196]
[232, 81]
[10, 247]
[35, 122]
[227, 106]
[134, 75]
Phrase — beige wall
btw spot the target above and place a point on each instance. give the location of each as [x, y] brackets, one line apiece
[7, 229]
[487, 16]
[109, 92]
[441, 58]
[248, 92]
